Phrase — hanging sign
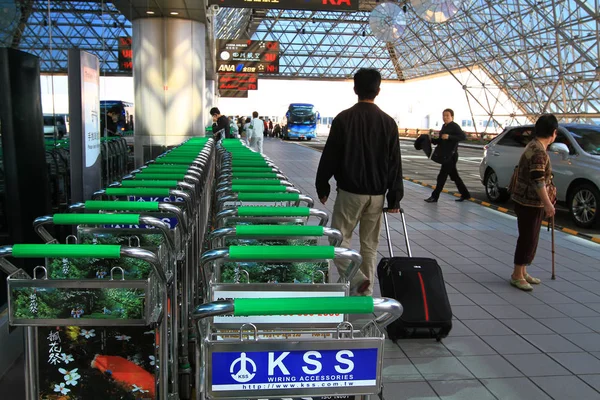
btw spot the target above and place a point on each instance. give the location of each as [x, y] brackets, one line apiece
[233, 81]
[125, 54]
[247, 56]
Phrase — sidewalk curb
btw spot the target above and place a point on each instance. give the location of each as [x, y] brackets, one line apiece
[509, 212]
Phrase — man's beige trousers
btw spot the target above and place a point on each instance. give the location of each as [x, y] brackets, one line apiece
[350, 210]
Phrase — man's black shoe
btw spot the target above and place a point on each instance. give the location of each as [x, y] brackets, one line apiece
[431, 200]
[462, 199]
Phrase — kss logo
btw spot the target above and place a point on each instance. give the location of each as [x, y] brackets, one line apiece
[242, 375]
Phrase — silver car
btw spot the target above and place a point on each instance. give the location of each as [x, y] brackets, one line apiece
[575, 158]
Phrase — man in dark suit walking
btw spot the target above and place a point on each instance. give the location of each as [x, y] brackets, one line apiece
[448, 139]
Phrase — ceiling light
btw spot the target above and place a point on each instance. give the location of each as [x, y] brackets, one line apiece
[174, 13]
[150, 12]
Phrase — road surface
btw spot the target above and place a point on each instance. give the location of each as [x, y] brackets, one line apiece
[415, 165]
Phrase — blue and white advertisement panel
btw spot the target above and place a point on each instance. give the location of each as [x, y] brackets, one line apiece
[352, 370]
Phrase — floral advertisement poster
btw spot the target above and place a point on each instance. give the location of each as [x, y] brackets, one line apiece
[86, 363]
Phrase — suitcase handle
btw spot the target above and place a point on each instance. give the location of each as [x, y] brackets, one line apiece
[387, 232]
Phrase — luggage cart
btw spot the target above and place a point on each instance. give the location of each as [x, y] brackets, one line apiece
[78, 358]
[335, 360]
[180, 285]
[138, 229]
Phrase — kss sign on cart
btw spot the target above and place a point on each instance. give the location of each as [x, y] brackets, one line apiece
[295, 372]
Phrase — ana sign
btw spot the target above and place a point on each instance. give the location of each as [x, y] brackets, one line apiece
[247, 56]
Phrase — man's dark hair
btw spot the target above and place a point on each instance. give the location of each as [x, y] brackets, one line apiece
[366, 83]
[451, 111]
[255, 114]
[215, 111]
[248, 119]
[545, 126]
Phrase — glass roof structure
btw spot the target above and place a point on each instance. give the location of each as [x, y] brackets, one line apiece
[543, 54]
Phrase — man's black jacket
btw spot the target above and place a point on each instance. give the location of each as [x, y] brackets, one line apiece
[222, 123]
[450, 145]
[362, 152]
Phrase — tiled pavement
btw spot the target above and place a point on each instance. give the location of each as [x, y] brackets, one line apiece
[505, 344]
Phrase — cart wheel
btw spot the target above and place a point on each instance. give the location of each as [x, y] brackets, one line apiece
[185, 386]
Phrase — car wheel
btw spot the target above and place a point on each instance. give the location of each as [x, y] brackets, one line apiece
[583, 205]
[308, 139]
[494, 192]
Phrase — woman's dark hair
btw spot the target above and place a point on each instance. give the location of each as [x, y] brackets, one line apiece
[545, 126]
[366, 83]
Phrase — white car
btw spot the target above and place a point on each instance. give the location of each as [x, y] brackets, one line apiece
[575, 158]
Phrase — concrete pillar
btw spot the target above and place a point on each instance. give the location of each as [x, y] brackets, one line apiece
[169, 83]
[211, 100]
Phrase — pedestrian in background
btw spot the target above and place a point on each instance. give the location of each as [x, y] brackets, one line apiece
[220, 124]
[446, 153]
[534, 195]
[257, 131]
[362, 152]
[245, 131]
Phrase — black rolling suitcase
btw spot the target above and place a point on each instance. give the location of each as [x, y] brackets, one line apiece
[418, 284]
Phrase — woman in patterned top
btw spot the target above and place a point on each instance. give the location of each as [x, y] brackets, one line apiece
[534, 195]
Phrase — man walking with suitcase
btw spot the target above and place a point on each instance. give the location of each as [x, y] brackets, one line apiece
[362, 152]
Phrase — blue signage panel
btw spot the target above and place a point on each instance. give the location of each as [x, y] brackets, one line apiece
[171, 221]
[294, 370]
[169, 199]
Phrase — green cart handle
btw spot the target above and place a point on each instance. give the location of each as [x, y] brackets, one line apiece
[102, 219]
[267, 182]
[248, 163]
[258, 212]
[389, 309]
[139, 206]
[263, 253]
[110, 251]
[268, 197]
[224, 197]
[307, 305]
[251, 211]
[103, 205]
[96, 219]
[162, 192]
[263, 169]
[66, 251]
[162, 183]
[257, 189]
[281, 253]
[278, 230]
[255, 175]
[159, 176]
[172, 161]
[166, 168]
